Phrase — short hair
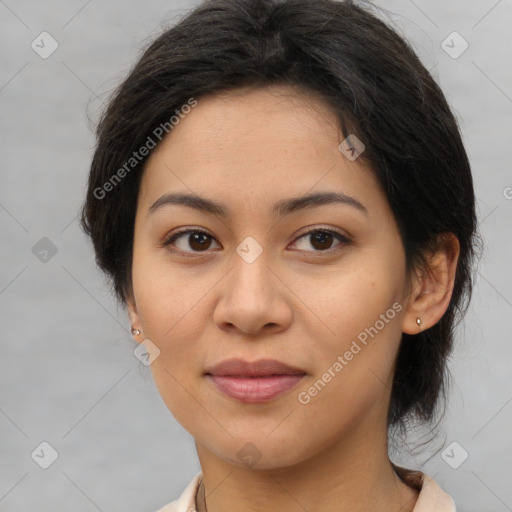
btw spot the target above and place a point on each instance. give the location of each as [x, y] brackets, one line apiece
[379, 91]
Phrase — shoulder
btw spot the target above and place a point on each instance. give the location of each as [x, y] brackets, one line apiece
[187, 500]
[431, 496]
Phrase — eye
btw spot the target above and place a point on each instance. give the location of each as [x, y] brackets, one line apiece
[322, 239]
[200, 241]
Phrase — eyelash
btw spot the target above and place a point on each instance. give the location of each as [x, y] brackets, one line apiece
[343, 239]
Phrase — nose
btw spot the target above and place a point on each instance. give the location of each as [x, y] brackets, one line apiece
[253, 299]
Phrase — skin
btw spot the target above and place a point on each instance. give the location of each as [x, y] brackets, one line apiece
[299, 302]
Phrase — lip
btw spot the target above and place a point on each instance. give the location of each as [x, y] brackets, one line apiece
[254, 382]
[261, 368]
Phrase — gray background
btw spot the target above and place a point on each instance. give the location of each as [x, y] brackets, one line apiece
[67, 369]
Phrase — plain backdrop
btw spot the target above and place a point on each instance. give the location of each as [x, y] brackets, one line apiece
[68, 375]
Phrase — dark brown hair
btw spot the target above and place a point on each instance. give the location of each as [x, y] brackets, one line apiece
[379, 91]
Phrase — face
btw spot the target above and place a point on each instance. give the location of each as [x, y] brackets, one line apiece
[318, 285]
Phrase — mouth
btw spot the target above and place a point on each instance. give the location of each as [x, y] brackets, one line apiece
[254, 382]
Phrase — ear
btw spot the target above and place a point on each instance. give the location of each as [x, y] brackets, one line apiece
[134, 318]
[432, 291]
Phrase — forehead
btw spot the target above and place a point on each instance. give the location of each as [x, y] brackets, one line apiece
[253, 115]
[255, 145]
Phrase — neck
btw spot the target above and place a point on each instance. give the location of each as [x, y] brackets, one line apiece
[342, 478]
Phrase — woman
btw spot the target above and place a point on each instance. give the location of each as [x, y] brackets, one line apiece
[283, 203]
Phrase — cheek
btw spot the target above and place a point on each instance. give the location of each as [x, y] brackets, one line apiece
[352, 300]
[169, 309]
[360, 314]
[167, 296]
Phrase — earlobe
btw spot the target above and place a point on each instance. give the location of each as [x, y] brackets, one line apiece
[134, 319]
[433, 289]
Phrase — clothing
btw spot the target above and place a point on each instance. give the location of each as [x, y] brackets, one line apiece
[431, 497]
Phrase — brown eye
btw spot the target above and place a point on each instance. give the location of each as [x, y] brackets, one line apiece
[322, 239]
[198, 241]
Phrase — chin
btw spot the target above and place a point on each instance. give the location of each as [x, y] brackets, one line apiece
[253, 452]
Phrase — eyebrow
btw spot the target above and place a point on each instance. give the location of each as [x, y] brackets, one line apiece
[281, 208]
